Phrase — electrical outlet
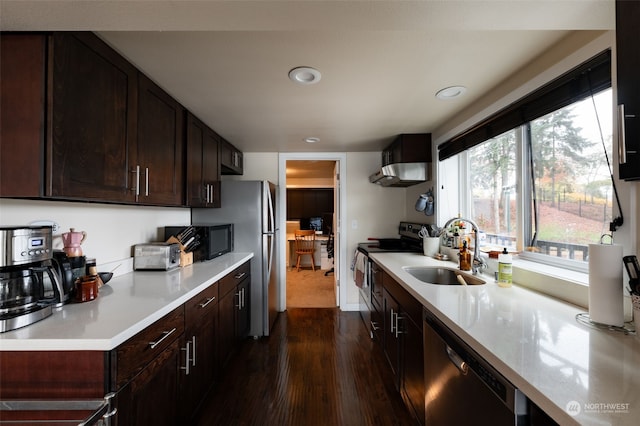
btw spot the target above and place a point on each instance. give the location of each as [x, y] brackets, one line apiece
[354, 224]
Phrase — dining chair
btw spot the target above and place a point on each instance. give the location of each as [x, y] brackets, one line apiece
[305, 245]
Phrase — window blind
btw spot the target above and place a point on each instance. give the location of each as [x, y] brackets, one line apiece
[590, 77]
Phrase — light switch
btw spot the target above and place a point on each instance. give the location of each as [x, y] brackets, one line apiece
[354, 224]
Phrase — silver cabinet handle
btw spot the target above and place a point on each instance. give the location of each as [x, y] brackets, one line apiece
[107, 416]
[146, 179]
[187, 359]
[398, 318]
[240, 295]
[240, 275]
[374, 326]
[193, 351]
[457, 361]
[622, 144]
[206, 302]
[136, 187]
[393, 321]
[165, 334]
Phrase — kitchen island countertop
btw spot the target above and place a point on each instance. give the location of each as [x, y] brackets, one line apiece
[575, 373]
[125, 306]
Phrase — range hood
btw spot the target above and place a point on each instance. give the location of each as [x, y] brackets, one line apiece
[401, 174]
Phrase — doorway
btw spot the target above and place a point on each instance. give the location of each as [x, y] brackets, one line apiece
[311, 198]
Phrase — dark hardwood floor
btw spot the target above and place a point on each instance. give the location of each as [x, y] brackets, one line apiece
[318, 367]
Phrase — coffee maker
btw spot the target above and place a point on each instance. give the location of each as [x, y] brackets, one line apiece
[30, 286]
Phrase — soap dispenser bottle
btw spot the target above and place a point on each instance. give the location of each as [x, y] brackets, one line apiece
[465, 257]
[505, 261]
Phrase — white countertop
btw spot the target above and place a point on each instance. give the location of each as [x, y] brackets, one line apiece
[126, 305]
[537, 344]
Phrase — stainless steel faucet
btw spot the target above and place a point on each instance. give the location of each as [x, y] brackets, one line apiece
[478, 263]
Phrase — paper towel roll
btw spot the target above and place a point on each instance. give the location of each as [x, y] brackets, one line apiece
[605, 284]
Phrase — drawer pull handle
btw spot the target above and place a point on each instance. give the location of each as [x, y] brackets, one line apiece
[240, 275]
[166, 334]
[206, 302]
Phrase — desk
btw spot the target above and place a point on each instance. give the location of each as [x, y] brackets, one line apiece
[319, 256]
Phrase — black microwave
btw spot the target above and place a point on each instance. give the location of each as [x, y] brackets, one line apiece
[214, 240]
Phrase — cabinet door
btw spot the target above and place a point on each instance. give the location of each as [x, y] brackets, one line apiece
[211, 167]
[200, 350]
[92, 123]
[393, 333]
[151, 398]
[226, 326]
[628, 64]
[22, 97]
[160, 146]
[203, 165]
[413, 389]
[243, 309]
[230, 159]
[408, 148]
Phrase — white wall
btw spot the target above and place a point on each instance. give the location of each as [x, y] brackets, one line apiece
[372, 210]
[112, 230]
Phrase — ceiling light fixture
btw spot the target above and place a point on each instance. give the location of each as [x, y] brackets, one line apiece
[451, 92]
[312, 139]
[305, 75]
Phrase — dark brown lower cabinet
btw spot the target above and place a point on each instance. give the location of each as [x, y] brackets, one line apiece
[150, 397]
[234, 310]
[200, 351]
[403, 345]
[145, 372]
[160, 376]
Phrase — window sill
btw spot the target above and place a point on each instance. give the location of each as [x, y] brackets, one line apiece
[560, 283]
[566, 285]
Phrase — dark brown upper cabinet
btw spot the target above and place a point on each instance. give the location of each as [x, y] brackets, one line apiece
[628, 68]
[408, 148]
[203, 165]
[91, 120]
[231, 159]
[159, 154]
[81, 123]
[69, 117]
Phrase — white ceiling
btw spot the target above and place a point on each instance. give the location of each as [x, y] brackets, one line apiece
[381, 61]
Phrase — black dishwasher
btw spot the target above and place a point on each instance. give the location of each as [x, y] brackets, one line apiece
[462, 388]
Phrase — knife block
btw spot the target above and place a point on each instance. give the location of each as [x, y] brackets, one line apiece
[186, 259]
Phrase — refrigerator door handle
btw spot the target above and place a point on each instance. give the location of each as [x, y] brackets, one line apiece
[272, 225]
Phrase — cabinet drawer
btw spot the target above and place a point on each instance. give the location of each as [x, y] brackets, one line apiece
[230, 281]
[201, 305]
[134, 354]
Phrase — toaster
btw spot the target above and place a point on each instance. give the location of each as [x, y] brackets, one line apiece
[156, 256]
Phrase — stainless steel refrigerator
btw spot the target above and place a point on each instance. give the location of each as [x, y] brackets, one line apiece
[251, 207]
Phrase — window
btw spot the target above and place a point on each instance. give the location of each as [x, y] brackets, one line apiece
[537, 177]
[492, 181]
[566, 193]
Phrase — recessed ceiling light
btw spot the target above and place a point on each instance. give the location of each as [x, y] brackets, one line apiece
[312, 139]
[451, 92]
[305, 75]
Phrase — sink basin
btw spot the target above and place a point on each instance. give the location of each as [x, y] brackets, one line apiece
[440, 275]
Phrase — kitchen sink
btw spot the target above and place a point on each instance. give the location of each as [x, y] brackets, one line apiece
[441, 275]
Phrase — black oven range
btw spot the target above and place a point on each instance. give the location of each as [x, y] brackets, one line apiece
[369, 279]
